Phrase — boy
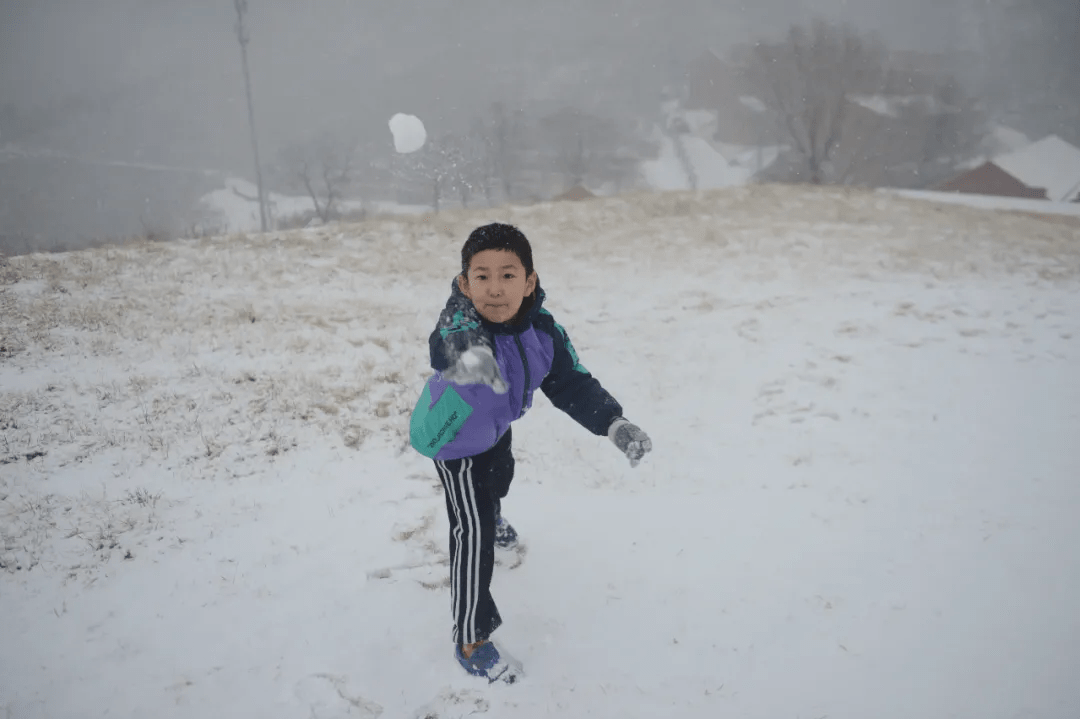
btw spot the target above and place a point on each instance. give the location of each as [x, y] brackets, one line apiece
[494, 346]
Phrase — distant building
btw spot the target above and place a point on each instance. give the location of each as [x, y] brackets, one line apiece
[905, 137]
[575, 194]
[1048, 170]
[989, 179]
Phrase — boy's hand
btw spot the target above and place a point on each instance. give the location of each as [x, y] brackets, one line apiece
[629, 439]
[477, 365]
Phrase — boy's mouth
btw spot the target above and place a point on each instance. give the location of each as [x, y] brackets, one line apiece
[496, 313]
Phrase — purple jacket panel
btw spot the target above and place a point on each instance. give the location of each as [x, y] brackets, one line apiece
[495, 412]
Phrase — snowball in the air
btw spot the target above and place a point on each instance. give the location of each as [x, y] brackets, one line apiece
[409, 133]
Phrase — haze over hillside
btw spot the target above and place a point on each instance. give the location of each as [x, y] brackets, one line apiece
[133, 81]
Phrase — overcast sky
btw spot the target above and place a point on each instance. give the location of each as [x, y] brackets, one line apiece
[346, 65]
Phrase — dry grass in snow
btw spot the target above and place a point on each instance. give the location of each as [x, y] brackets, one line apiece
[137, 380]
[203, 355]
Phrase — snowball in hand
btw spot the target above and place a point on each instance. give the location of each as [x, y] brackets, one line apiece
[477, 365]
[409, 133]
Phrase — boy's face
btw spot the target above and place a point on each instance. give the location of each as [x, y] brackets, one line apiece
[496, 284]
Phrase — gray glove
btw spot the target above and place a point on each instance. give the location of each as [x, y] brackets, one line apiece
[477, 365]
[630, 440]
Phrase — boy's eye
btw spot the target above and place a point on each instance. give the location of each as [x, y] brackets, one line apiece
[508, 276]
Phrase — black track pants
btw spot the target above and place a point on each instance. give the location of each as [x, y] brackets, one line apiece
[474, 487]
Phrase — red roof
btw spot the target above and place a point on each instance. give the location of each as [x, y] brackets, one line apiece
[989, 179]
[577, 192]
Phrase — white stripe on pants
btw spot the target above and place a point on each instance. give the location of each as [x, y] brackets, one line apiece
[465, 570]
[473, 487]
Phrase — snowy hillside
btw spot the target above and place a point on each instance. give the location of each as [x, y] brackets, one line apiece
[235, 207]
[862, 501]
[990, 202]
[690, 158]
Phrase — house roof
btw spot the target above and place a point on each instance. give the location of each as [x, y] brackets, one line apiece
[1005, 139]
[989, 179]
[891, 105]
[575, 193]
[1051, 163]
[1073, 195]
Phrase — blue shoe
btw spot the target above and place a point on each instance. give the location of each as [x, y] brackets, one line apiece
[488, 663]
[506, 537]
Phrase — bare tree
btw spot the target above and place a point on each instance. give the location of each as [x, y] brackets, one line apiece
[582, 146]
[464, 163]
[324, 167]
[676, 131]
[947, 126]
[506, 136]
[482, 160]
[461, 163]
[13, 123]
[438, 167]
[807, 81]
[1029, 64]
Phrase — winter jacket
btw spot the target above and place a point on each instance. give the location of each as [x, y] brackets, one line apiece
[451, 421]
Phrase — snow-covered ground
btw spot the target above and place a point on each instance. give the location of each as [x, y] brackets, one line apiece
[711, 169]
[235, 207]
[691, 160]
[862, 500]
[989, 202]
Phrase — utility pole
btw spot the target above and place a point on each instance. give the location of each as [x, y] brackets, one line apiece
[242, 37]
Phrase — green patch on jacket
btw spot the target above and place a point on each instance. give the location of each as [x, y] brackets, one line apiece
[432, 427]
[459, 325]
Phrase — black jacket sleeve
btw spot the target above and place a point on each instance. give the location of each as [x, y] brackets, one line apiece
[569, 385]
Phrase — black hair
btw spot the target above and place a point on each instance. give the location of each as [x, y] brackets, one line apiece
[497, 236]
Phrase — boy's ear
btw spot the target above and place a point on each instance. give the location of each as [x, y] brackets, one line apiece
[530, 284]
[463, 285]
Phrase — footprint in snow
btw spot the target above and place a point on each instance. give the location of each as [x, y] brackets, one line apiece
[328, 697]
[452, 704]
